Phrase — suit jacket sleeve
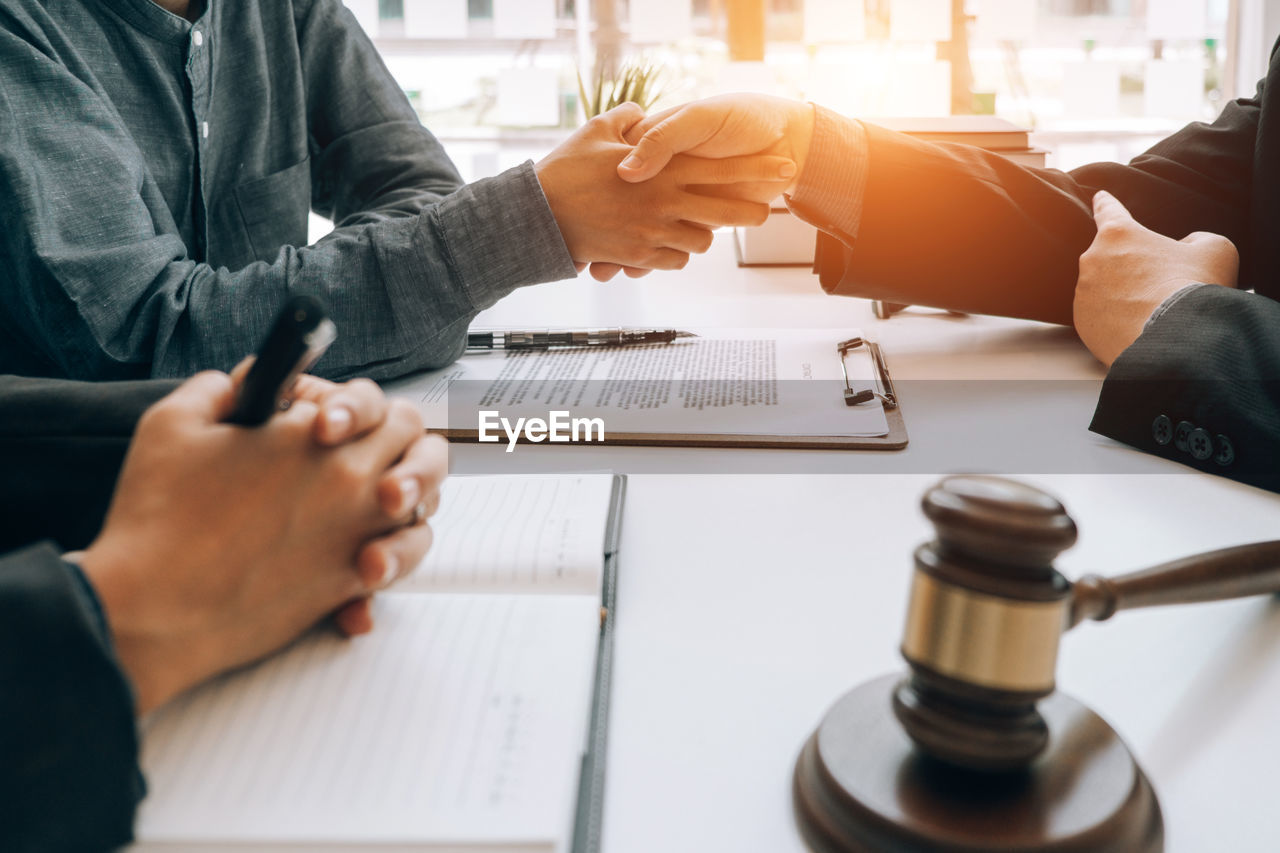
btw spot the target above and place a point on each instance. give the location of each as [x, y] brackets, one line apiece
[960, 228]
[61, 447]
[69, 778]
[1201, 386]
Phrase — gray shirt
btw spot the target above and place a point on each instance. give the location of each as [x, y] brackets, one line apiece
[156, 177]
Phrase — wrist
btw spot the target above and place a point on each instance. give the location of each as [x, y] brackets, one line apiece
[140, 648]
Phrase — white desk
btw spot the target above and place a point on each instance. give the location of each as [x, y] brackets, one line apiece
[749, 603]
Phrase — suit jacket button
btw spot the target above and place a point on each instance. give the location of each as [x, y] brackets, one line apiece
[1182, 434]
[1226, 451]
[1162, 430]
[1201, 444]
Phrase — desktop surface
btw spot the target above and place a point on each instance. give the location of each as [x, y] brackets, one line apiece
[792, 568]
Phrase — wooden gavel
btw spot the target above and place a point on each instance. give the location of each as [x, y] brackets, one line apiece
[973, 748]
[987, 608]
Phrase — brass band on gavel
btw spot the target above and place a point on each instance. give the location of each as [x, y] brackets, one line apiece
[981, 639]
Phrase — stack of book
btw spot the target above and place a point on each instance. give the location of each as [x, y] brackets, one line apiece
[989, 132]
[784, 240]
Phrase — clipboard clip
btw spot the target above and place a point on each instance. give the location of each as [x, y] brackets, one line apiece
[886, 394]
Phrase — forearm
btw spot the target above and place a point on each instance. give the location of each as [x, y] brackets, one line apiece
[966, 229]
[1209, 358]
[69, 780]
[402, 291]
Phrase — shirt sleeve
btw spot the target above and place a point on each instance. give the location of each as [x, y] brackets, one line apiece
[829, 192]
[376, 161]
[102, 287]
[69, 777]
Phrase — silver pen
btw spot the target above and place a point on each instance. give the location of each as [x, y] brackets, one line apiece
[548, 338]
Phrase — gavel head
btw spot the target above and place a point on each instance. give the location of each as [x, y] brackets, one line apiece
[985, 614]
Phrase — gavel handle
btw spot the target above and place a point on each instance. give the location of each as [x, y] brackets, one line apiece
[1229, 573]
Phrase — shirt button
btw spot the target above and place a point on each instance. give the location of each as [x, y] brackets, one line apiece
[1162, 430]
[1226, 451]
[204, 129]
[1181, 434]
[1201, 444]
[197, 37]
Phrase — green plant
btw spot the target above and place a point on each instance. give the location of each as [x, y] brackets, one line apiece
[637, 82]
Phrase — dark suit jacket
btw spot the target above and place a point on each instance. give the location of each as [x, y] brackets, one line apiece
[959, 228]
[69, 779]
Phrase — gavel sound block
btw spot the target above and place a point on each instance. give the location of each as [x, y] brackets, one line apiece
[972, 750]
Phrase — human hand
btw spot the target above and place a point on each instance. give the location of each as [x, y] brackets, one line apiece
[655, 225]
[349, 410]
[724, 126]
[223, 544]
[1129, 271]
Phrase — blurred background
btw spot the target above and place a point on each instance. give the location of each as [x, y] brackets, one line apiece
[500, 81]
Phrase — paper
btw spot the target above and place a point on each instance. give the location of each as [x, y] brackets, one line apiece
[920, 20]
[366, 14]
[459, 721]
[436, 19]
[727, 382]
[1173, 88]
[524, 19]
[834, 21]
[1006, 20]
[1091, 89]
[661, 21]
[528, 97]
[534, 534]
[1176, 19]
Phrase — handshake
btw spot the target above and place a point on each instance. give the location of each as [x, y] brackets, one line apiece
[635, 193]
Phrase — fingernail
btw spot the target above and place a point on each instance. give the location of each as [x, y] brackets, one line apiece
[788, 170]
[408, 494]
[337, 421]
[631, 161]
[391, 566]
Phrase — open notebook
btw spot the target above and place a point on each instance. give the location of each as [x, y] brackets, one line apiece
[466, 721]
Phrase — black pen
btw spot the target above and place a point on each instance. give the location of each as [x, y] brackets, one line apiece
[300, 335]
[547, 338]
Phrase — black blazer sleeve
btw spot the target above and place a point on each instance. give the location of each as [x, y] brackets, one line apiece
[956, 227]
[960, 228]
[61, 446]
[69, 778]
[1201, 385]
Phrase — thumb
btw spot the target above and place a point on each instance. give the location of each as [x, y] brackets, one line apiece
[208, 397]
[1108, 211]
[679, 132]
[621, 118]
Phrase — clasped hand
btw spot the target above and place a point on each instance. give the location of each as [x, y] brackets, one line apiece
[614, 224]
[224, 543]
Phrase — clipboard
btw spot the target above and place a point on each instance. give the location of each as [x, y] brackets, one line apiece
[884, 395]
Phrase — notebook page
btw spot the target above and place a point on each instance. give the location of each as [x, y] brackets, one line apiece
[460, 720]
[518, 534]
